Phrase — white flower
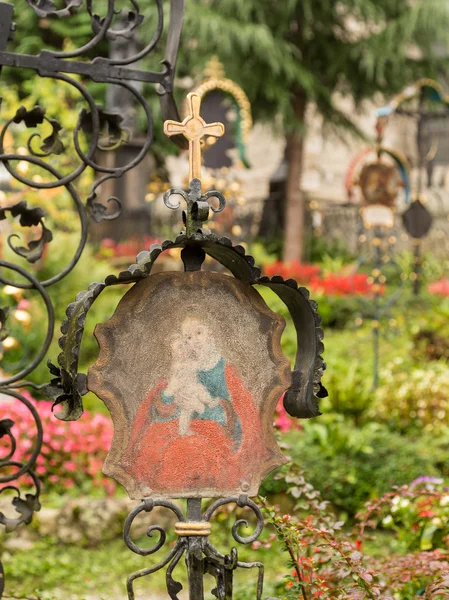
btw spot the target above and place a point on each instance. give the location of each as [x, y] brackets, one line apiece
[444, 500]
[404, 503]
[387, 520]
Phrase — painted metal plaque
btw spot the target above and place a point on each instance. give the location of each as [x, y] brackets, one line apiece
[380, 184]
[190, 367]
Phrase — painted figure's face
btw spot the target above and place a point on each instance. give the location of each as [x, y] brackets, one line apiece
[196, 336]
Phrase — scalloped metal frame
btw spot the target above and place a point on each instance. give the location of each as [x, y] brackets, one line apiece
[301, 400]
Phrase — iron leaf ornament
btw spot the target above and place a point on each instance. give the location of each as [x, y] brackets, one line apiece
[112, 133]
[130, 22]
[5, 427]
[99, 212]
[47, 8]
[31, 118]
[4, 331]
[25, 507]
[52, 144]
[28, 217]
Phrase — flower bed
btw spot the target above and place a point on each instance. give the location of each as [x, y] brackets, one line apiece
[73, 452]
[334, 284]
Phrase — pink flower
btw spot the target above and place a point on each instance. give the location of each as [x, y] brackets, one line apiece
[282, 420]
[64, 450]
[23, 305]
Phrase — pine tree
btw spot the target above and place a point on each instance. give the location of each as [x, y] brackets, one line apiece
[287, 54]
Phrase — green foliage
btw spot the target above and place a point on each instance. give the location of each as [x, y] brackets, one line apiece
[338, 312]
[420, 523]
[349, 388]
[429, 329]
[340, 460]
[326, 560]
[51, 565]
[61, 102]
[320, 248]
[33, 33]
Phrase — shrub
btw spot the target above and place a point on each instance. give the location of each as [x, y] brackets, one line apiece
[349, 389]
[350, 465]
[30, 337]
[418, 514]
[430, 330]
[325, 561]
[414, 400]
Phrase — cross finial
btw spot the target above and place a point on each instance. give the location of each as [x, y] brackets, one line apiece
[194, 128]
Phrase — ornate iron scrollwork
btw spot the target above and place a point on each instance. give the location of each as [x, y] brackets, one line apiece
[200, 554]
[96, 129]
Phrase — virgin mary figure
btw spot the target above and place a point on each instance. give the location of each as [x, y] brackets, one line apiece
[198, 427]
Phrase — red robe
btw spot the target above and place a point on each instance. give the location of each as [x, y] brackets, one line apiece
[208, 459]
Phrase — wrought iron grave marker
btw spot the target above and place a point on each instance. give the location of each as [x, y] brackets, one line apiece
[191, 368]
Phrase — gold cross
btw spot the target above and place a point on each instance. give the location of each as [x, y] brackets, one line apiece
[194, 128]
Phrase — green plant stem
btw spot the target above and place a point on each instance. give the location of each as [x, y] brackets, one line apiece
[294, 560]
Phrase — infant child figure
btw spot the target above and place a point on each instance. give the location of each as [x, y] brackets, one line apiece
[190, 396]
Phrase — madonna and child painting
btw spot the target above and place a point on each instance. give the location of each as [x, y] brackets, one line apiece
[191, 369]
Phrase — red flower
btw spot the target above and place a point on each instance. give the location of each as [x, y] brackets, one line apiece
[333, 284]
[355, 284]
[427, 513]
[301, 272]
[440, 287]
[282, 419]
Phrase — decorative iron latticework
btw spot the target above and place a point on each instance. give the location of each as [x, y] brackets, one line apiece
[99, 129]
